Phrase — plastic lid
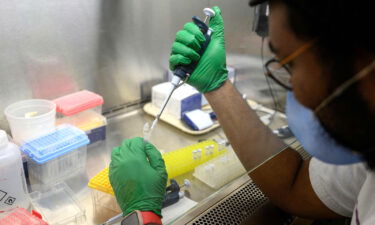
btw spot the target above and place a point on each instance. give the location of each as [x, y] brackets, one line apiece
[77, 102]
[3, 139]
[63, 140]
[58, 205]
[20, 216]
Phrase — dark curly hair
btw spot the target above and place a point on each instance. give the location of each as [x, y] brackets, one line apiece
[344, 33]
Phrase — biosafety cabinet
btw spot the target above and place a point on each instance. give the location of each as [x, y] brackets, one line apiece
[105, 57]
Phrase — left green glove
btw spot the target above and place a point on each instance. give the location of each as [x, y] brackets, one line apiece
[138, 176]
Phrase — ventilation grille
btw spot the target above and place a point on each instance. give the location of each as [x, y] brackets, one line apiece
[235, 209]
[305, 155]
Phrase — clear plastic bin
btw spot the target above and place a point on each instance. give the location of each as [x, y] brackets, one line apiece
[89, 121]
[20, 216]
[105, 205]
[30, 119]
[220, 170]
[58, 206]
[58, 155]
[83, 109]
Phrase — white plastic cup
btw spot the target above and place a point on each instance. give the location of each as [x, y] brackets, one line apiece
[29, 119]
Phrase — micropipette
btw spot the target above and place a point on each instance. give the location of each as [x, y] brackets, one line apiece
[172, 196]
[181, 73]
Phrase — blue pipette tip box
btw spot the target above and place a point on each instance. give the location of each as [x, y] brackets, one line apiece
[64, 139]
[57, 155]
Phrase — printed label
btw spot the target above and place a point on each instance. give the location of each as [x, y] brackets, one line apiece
[2, 195]
[10, 200]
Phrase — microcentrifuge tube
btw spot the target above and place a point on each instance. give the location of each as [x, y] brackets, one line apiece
[146, 131]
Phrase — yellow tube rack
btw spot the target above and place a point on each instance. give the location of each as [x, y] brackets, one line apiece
[177, 162]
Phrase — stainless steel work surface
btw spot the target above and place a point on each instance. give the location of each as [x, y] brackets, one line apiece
[165, 138]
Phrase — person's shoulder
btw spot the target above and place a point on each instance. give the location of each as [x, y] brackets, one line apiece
[365, 206]
[338, 186]
[358, 169]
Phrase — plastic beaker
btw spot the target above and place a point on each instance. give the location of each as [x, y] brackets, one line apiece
[30, 118]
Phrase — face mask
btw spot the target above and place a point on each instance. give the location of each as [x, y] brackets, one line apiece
[314, 139]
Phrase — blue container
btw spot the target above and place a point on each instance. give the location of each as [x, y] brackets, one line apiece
[57, 155]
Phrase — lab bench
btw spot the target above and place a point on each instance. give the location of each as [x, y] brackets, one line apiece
[165, 137]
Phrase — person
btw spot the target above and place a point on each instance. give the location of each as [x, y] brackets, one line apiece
[326, 51]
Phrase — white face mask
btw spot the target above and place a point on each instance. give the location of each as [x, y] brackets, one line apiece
[313, 137]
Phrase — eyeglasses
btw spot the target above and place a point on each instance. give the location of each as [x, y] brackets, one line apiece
[279, 71]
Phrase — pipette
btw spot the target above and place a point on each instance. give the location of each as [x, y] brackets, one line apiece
[181, 73]
[173, 195]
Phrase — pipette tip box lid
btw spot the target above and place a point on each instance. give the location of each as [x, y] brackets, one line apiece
[63, 140]
[58, 205]
[20, 216]
[77, 102]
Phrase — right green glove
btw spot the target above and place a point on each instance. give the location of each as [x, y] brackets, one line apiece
[211, 71]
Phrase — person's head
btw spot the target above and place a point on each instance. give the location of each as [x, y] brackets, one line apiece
[343, 44]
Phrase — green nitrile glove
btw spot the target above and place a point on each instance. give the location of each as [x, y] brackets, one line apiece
[138, 176]
[211, 71]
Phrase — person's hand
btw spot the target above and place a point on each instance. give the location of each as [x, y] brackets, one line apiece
[138, 176]
[211, 71]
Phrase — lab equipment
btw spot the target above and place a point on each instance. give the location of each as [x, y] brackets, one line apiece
[183, 72]
[13, 190]
[57, 155]
[220, 170]
[101, 182]
[72, 104]
[150, 109]
[184, 160]
[172, 196]
[30, 118]
[58, 206]
[197, 119]
[105, 206]
[210, 73]
[20, 216]
[83, 109]
[184, 99]
[177, 162]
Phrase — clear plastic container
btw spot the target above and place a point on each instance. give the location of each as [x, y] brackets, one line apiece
[83, 109]
[13, 190]
[30, 118]
[89, 121]
[58, 155]
[105, 205]
[20, 216]
[58, 206]
[220, 170]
